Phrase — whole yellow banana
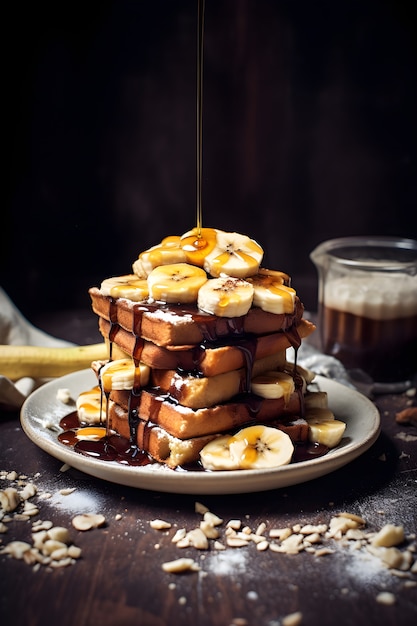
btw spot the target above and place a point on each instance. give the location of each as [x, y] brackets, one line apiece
[44, 362]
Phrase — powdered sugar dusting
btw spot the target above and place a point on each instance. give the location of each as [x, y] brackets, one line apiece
[227, 562]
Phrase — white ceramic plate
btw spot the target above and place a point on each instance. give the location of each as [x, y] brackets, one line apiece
[42, 409]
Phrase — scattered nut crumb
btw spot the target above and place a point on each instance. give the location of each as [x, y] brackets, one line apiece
[200, 508]
[159, 524]
[67, 491]
[386, 597]
[87, 521]
[180, 565]
[406, 437]
[64, 395]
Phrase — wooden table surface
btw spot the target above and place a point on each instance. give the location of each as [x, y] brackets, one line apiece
[119, 578]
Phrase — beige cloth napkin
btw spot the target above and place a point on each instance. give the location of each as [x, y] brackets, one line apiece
[16, 330]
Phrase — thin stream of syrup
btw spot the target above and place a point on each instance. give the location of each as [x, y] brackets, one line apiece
[200, 48]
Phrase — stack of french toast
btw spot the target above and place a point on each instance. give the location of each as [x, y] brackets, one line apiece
[197, 372]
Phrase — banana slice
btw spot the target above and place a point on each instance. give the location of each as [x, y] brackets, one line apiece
[261, 446]
[91, 433]
[271, 293]
[198, 243]
[216, 455]
[327, 432]
[123, 374]
[234, 255]
[323, 427]
[319, 414]
[167, 252]
[225, 297]
[91, 407]
[315, 400]
[176, 283]
[254, 447]
[273, 384]
[127, 286]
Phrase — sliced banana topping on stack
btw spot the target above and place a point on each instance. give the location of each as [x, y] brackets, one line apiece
[169, 251]
[253, 447]
[271, 293]
[198, 243]
[91, 406]
[225, 297]
[176, 283]
[273, 384]
[176, 269]
[127, 286]
[123, 374]
[235, 255]
[323, 427]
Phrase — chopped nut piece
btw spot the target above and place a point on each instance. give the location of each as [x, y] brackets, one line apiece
[209, 530]
[323, 551]
[59, 533]
[67, 491]
[309, 529]
[280, 533]
[87, 521]
[39, 525]
[388, 536]
[200, 508]
[386, 597]
[236, 542]
[180, 565]
[340, 525]
[197, 539]
[16, 549]
[180, 534]
[356, 518]
[234, 523]
[28, 491]
[292, 544]
[74, 552]
[313, 538]
[50, 545]
[30, 509]
[212, 519]
[9, 499]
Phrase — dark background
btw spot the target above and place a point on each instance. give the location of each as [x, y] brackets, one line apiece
[309, 133]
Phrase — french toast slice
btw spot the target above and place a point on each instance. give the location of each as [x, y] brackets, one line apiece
[184, 422]
[173, 451]
[203, 360]
[178, 325]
